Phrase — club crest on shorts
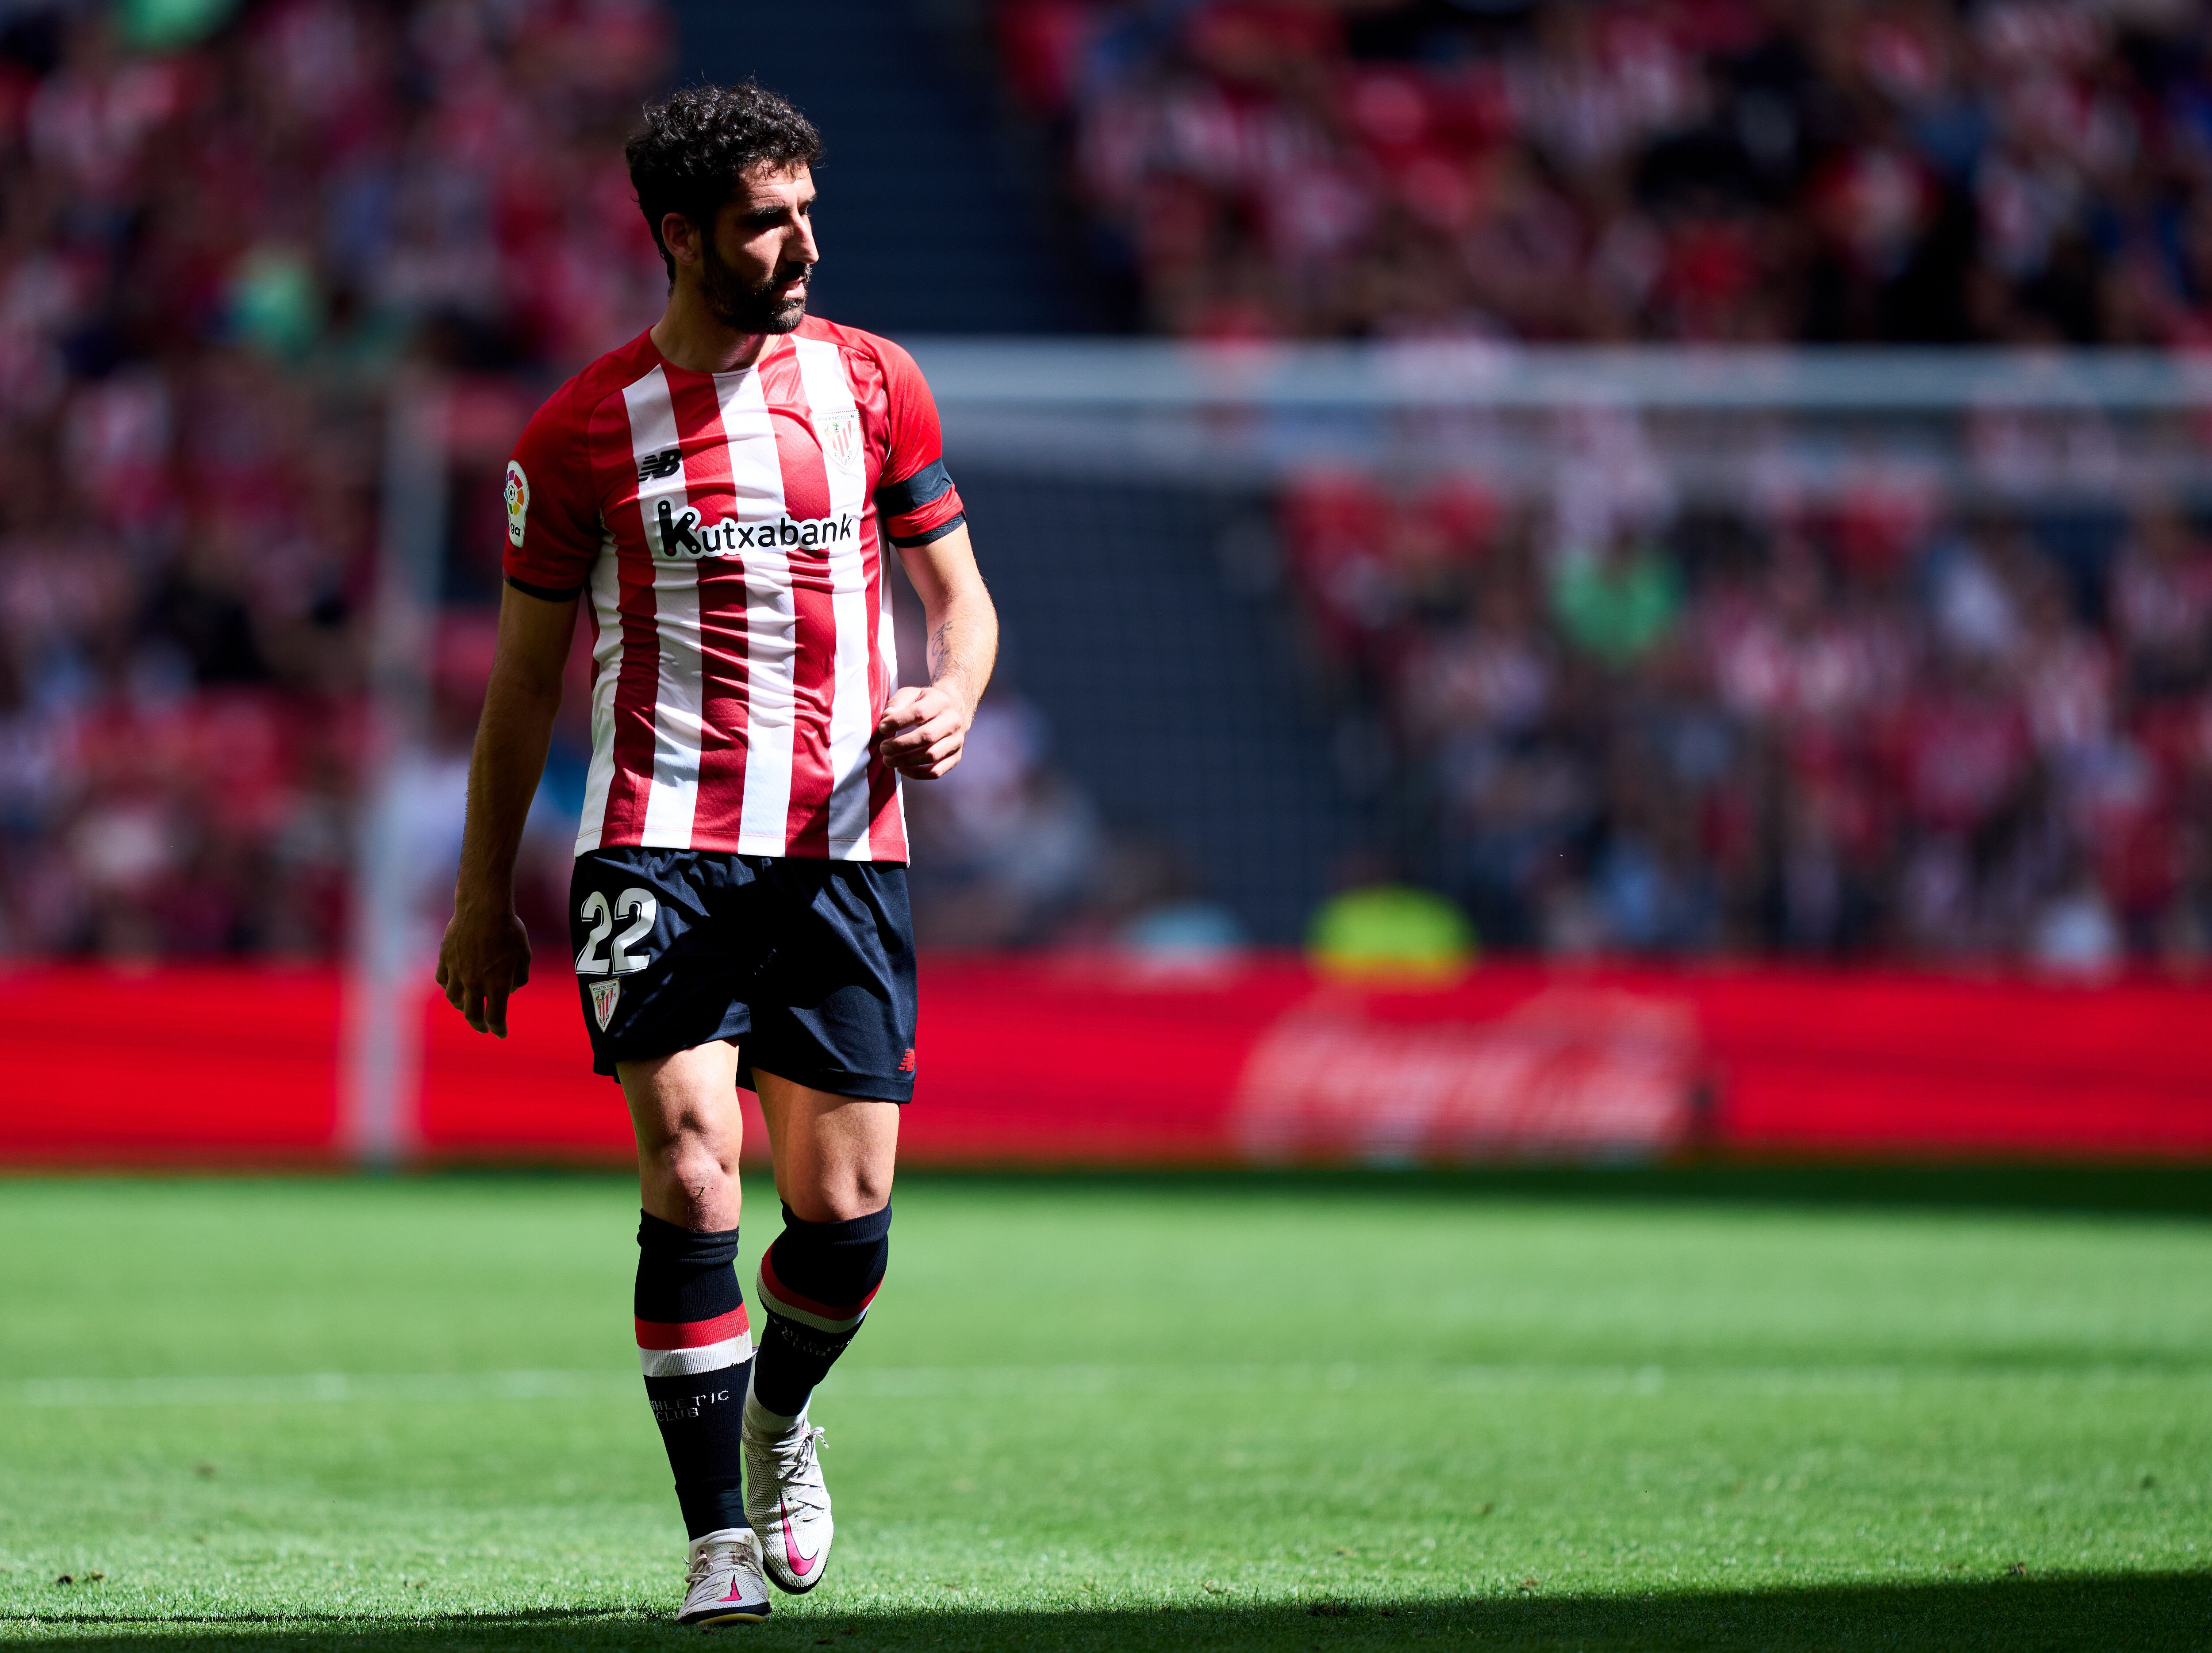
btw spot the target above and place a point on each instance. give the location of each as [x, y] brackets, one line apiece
[840, 439]
[603, 995]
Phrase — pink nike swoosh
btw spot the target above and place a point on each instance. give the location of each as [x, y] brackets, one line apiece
[800, 1566]
[736, 1594]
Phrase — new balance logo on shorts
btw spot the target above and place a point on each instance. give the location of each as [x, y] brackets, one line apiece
[684, 533]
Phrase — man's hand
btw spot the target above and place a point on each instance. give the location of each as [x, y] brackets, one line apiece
[484, 957]
[922, 732]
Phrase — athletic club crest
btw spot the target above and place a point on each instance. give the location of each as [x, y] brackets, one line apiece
[840, 439]
[604, 995]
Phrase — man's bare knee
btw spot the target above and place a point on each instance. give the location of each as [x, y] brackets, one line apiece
[689, 1170]
[841, 1190]
[840, 1200]
[685, 1110]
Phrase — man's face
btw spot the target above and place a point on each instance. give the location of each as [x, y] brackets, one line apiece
[753, 270]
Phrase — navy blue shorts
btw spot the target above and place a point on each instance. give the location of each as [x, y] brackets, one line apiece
[808, 964]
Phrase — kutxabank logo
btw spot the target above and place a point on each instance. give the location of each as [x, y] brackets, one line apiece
[685, 536]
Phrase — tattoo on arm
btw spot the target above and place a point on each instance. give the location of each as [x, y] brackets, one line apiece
[963, 636]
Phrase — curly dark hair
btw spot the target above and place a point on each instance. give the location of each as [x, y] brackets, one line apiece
[698, 142]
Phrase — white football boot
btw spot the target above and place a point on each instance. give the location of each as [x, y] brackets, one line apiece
[723, 1586]
[788, 1505]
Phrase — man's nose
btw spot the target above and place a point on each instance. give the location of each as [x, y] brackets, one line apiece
[807, 249]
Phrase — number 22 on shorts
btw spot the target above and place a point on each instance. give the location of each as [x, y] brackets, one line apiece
[635, 904]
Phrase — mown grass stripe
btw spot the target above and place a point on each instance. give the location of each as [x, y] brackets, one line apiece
[324, 1388]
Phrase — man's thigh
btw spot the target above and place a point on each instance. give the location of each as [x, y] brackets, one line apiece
[685, 1093]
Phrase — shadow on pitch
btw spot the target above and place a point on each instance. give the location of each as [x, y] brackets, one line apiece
[2019, 1615]
[2161, 1190]
[2168, 1190]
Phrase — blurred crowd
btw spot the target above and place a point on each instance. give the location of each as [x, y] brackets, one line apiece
[227, 230]
[1822, 732]
[1830, 731]
[222, 228]
[227, 226]
[2011, 170]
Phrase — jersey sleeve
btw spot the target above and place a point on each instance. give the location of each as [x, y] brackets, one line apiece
[552, 511]
[917, 499]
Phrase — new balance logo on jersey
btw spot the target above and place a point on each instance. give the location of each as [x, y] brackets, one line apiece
[684, 534]
[659, 467]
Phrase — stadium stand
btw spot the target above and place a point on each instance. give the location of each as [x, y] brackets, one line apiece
[1885, 726]
[2012, 171]
[223, 230]
[1888, 726]
[1830, 733]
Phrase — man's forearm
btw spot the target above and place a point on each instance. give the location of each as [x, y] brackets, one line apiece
[963, 644]
[511, 739]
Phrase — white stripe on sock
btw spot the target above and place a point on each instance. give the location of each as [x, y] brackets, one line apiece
[688, 1363]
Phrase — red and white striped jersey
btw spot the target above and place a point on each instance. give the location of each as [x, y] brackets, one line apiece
[729, 531]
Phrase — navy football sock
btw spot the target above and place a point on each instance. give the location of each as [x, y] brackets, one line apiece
[816, 1284]
[694, 1344]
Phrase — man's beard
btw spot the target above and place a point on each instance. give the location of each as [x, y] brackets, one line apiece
[744, 307]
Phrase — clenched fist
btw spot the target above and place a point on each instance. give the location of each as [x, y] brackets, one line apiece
[922, 732]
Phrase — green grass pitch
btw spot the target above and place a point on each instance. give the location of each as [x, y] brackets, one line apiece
[1596, 1411]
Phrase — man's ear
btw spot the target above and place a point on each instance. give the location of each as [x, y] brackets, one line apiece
[680, 237]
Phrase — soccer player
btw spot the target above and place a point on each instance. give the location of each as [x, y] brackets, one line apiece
[722, 490]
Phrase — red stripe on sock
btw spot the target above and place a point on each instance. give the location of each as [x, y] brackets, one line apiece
[692, 1333]
[827, 1310]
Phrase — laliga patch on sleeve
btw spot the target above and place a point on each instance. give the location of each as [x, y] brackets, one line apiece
[518, 502]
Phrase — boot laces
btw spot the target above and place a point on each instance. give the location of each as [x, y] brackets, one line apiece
[729, 1554]
[795, 1454]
